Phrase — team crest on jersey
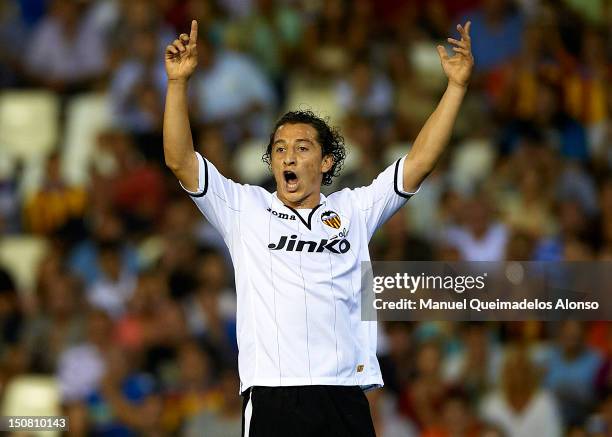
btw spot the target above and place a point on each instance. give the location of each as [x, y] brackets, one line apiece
[331, 219]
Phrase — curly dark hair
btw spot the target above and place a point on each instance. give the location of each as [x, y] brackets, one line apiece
[329, 137]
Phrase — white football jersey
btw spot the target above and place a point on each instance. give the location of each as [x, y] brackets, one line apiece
[298, 278]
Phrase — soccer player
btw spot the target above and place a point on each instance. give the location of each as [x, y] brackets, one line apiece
[305, 357]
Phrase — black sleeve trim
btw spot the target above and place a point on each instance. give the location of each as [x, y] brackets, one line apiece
[205, 181]
[397, 191]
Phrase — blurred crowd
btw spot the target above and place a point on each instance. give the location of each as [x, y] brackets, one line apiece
[132, 307]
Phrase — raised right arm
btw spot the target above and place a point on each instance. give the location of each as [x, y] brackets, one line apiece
[181, 59]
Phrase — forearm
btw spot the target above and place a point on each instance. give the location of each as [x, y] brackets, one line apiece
[178, 143]
[433, 137]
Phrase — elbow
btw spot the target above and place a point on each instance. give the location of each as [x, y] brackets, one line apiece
[422, 167]
[173, 165]
[176, 168]
[172, 162]
[415, 173]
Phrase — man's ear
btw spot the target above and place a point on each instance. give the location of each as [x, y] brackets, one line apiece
[327, 163]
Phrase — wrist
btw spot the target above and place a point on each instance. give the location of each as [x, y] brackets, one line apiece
[178, 81]
[457, 86]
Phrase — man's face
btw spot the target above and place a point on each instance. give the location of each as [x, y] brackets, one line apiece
[298, 165]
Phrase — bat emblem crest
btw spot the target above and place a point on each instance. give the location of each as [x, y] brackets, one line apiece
[331, 219]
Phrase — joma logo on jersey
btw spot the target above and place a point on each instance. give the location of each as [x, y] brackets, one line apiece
[331, 219]
[292, 244]
[281, 215]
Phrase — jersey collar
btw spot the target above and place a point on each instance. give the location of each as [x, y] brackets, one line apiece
[307, 223]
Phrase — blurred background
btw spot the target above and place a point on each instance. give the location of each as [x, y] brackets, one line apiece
[117, 304]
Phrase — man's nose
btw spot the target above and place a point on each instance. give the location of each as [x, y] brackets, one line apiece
[289, 157]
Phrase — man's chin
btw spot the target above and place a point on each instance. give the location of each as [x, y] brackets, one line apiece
[293, 196]
[289, 196]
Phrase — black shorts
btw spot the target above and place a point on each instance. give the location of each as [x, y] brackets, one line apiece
[305, 411]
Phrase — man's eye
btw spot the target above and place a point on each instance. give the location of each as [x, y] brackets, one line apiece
[280, 149]
[303, 149]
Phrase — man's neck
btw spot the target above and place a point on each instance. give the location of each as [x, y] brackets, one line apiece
[309, 202]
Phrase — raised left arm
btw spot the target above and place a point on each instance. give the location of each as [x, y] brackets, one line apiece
[433, 137]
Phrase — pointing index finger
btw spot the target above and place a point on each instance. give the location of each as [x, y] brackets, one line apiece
[193, 35]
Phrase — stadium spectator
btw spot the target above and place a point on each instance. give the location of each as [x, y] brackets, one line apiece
[134, 329]
[399, 242]
[423, 397]
[115, 285]
[573, 224]
[211, 143]
[492, 431]
[365, 92]
[169, 331]
[575, 183]
[520, 407]
[126, 402]
[129, 18]
[106, 226]
[56, 205]
[65, 52]
[231, 91]
[136, 89]
[363, 145]
[497, 34]
[227, 419]
[571, 373]
[480, 237]
[396, 357]
[10, 204]
[81, 367]
[323, 42]
[584, 84]
[528, 209]
[135, 187]
[211, 310]
[10, 24]
[409, 101]
[59, 324]
[271, 33]
[600, 423]
[211, 16]
[11, 322]
[476, 366]
[195, 392]
[542, 58]
[457, 419]
[388, 422]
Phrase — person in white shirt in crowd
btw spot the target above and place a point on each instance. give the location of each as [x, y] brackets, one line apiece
[520, 407]
[66, 52]
[230, 91]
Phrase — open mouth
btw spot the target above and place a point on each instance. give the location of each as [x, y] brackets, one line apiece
[291, 179]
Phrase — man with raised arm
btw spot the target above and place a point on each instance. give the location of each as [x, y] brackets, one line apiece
[305, 356]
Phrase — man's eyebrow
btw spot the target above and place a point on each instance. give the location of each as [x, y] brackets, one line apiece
[302, 140]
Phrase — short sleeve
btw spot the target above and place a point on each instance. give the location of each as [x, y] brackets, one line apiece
[217, 197]
[383, 197]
